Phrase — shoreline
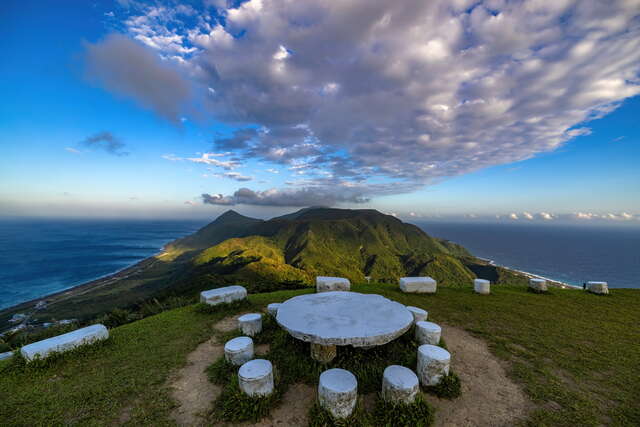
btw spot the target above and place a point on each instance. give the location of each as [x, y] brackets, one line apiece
[550, 281]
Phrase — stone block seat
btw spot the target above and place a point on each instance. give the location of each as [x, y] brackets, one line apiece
[329, 284]
[433, 364]
[538, 285]
[399, 384]
[65, 342]
[223, 295]
[338, 392]
[601, 288]
[239, 350]
[418, 285]
[273, 308]
[250, 324]
[428, 333]
[255, 378]
[418, 313]
[481, 286]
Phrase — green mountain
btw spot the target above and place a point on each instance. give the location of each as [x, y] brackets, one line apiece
[333, 242]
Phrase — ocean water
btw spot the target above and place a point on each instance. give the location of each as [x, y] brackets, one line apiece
[571, 254]
[40, 257]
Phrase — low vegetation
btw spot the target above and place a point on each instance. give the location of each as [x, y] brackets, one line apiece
[575, 354]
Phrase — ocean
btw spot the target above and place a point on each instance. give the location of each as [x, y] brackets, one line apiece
[40, 257]
[572, 254]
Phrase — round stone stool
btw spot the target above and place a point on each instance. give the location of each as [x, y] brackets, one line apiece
[338, 392]
[428, 333]
[399, 384]
[433, 364]
[239, 350]
[481, 286]
[256, 378]
[273, 308]
[250, 324]
[419, 314]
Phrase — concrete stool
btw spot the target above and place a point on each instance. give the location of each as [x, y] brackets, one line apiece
[399, 384]
[338, 392]
[223, 295]
[418, 313]
[601, 288]
[428, 333]
[418, 285]
[273, 308]
[481, 286]
[250, 324]
[433, 364]
[538, 285]
[328, 284]
[255, 378]
[239, 350]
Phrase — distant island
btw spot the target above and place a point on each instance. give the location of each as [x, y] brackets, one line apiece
[285, 252]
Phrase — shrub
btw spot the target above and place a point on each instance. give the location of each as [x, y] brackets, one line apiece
[448, 388]
[418, 413]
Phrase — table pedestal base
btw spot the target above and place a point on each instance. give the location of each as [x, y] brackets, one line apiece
[323, 353]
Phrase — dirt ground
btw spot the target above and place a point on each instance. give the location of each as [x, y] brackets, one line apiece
[489, 397]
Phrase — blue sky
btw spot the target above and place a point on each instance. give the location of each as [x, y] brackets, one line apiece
[434, 127]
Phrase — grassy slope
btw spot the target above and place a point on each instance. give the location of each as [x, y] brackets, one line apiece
[576, 355]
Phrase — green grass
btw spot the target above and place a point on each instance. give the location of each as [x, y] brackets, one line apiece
[575, 354]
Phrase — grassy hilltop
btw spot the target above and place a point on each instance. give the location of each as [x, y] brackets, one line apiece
[286, 252]
[575, 355]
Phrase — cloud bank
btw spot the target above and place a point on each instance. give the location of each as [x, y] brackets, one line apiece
[358, 93]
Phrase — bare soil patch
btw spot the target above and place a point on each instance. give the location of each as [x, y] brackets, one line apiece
[191, 388]
[489, 397]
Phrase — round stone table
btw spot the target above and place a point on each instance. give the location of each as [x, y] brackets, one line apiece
[329, 319]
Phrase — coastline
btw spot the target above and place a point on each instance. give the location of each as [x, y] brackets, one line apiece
[550, 281]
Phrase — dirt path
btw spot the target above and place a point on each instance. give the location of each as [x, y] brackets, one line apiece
[489, 397]
[192, 389]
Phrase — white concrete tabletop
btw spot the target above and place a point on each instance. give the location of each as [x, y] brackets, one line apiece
[344, 318]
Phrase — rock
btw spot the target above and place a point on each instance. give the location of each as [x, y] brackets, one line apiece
[601, 288]
[538, 285]
[433, 364]
[418, 285]
[481, 286]
[250, 324]
[65, 342]
[328, 284]
[418, 313]
[338, 392]
[399, 384]
[239, 350]
[255, 378]
[428, 333]
[344, 318]
[223, 295]
[7, 355]
[273, 308]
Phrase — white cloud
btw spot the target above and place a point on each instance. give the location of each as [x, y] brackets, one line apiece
[466, 85]
[546, 216]
[527, 215]
[72, 150]
[513, 215]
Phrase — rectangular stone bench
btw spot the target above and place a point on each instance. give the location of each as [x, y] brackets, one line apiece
[598, 287]
[64, 342]
[328, 284]
[223, 295]
[418, 285]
